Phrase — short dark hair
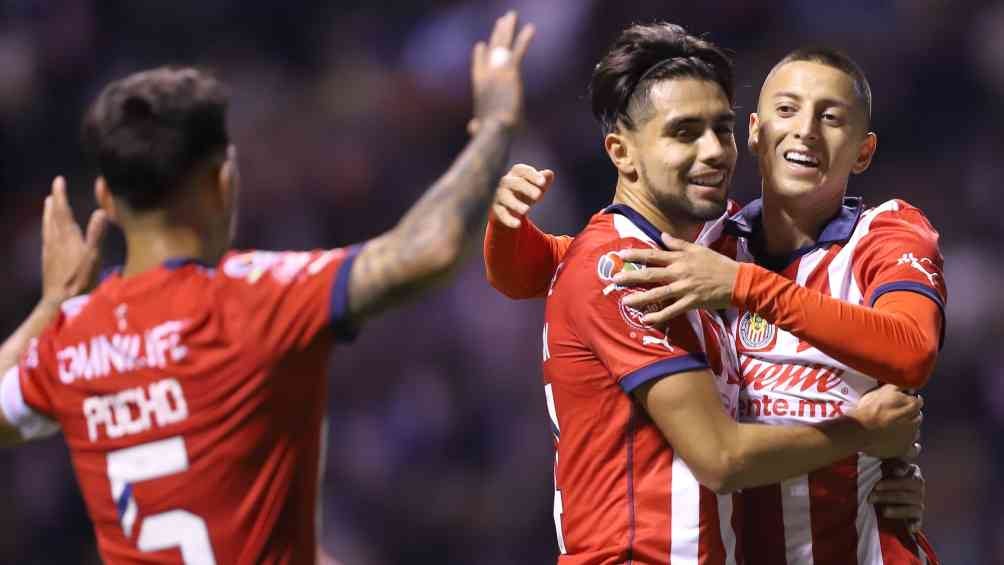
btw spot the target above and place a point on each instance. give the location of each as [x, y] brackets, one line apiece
[838, 60]
[150, 130]
[644, 54]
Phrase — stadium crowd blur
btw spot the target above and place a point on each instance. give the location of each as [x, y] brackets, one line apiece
[343, 112]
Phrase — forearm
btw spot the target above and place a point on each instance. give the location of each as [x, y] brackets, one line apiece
[520, 262]
[764, 454]
[884, 342]
[431, 237]
[15, 345]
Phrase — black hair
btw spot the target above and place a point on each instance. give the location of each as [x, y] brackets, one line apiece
[149, 131]
[644, 54]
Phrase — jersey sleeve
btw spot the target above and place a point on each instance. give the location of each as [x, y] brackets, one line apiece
[900, 253]
[293, 296]
[26, 390]
[520, 262]
[633, 352]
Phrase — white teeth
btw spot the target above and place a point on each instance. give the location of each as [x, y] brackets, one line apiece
[708, 180]
[801, 158]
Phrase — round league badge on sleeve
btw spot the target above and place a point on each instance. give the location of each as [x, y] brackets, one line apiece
[755, 332]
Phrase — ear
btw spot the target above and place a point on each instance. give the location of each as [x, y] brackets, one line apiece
[105, 199]
[621, 153]
[753, 141]
[226, 177]
[865, 153]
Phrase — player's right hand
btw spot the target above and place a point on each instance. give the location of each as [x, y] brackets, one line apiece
[495, 73]
[521, 188]
[70, 260]
[893, 419]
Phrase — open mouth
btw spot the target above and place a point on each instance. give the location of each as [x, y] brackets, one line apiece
[712, 180]
[801, 159]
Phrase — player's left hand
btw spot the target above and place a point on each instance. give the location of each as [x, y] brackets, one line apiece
[689, 276]
[70, 261]
[901, 497]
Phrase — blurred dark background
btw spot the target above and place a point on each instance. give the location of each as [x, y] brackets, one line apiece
[343, 112]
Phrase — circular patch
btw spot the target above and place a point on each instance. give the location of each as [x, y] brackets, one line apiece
[755, 332]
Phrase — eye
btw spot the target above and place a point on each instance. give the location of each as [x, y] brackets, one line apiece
[786, 110]
[725, 130]
[687, 134]
[831, 118]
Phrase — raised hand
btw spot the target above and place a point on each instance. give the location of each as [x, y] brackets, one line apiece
[894, 419]
[687, 277]
[521, 188]
[70, 260]
[495, 73]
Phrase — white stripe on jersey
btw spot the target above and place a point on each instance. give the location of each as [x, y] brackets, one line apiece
[627, 229]
[797, 518]
[725, 527]
[685, 503]
[841, 271]
[869, 544]
[808, 264]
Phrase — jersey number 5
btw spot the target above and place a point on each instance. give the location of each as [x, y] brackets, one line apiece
[166, 530]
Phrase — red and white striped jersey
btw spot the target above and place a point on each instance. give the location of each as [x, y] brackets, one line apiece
[621, 493]
[824, 517]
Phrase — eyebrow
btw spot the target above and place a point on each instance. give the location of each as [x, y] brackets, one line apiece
[681, 121]
[827, 101]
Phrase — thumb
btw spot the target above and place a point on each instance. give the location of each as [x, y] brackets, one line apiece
[548, 179]
[97, 226]
[473, 126]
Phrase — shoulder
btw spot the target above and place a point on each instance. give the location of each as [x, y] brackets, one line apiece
[895, 214]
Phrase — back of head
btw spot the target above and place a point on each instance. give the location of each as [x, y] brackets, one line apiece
[645, 54]
[839, 60]
[148, 132]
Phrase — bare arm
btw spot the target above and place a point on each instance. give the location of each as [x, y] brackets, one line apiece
[726, 455]
[431, 238]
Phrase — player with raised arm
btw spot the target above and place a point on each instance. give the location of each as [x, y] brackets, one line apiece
[190, 384]
[645, 476]
[808, 347]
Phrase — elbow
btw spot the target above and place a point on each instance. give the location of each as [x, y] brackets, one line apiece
[722, 476]
[916, 371]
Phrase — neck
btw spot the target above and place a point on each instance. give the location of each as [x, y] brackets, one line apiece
[642, 202]
[791, 223]
[151, 240]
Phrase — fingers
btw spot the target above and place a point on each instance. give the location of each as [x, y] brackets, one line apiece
[97, 226]
[650, 257]
[503, 31]
[662, 317]
[478, 64]
[503, 215]
[523, 41]
[675, 243]
[907, 484]
[657, 295]
[904, 512]
[516, 206]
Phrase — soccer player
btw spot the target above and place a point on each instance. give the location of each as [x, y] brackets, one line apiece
[189, 385]
[634, 473]
[803, 352]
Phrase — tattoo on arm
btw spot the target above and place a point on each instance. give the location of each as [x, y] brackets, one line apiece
[431, 237]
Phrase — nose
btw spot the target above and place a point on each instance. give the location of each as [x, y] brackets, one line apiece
[807, 127]
[711, 149]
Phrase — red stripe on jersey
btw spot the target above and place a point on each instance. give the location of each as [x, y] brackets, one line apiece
[763, 526]
[834, 508]
[711, 549]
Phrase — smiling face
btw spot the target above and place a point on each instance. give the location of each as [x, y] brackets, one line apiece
[682, 154]
[810, 132]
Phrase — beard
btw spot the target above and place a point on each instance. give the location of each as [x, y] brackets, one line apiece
[685, 208]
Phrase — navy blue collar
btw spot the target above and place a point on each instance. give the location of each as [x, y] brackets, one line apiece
[748, 224]
[175, 263]
[638, 220]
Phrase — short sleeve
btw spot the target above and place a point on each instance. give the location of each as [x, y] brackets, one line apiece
[900, 253]
[26, 389]
[292, 297]
[634, 353]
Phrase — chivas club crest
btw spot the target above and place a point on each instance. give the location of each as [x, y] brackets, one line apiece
[755, 332]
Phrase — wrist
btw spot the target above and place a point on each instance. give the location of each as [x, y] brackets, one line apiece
[50, 304]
